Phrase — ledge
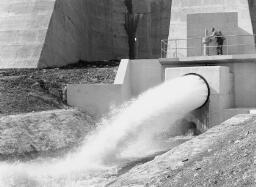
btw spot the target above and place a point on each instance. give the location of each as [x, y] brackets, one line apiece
[208, 59]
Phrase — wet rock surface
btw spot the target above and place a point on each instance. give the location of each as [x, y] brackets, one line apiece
[223, 156]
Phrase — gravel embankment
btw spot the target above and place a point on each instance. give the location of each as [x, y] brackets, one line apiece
[30, 90]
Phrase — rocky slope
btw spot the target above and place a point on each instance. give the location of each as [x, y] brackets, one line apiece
[44, 134]
[223, 156]
[31, 90]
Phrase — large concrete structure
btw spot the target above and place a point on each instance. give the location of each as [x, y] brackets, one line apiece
[231, 77]
[190, 19]
[231, 80]
[23, 28]
[44, 33]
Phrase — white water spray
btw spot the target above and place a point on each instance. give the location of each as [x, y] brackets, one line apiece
[130, 131]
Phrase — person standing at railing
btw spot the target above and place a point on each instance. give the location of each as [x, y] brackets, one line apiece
[212, 38]
[213, 34]
[220, 40]
[206, 40]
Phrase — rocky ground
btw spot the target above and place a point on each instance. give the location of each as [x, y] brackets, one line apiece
[25, 132]
[223, 156]
[29, 90]
[42, 134]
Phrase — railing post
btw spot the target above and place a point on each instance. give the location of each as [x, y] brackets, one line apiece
[201, 46]
[227, 46]
[176, 48]
[161, 49]
[167, 42]
[165, 48]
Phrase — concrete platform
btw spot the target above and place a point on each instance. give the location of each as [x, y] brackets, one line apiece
[209, 59]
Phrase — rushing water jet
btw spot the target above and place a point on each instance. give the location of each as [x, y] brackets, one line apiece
[132, 131]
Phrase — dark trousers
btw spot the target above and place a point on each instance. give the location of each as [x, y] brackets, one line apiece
[220, 49]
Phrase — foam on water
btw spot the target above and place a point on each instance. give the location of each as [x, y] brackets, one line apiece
[132, 130]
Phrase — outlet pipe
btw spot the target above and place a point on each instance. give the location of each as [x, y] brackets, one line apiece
[207, 87]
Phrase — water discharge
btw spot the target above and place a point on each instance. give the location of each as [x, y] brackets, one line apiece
[131, 131]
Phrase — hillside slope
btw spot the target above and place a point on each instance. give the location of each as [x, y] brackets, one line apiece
[44, 134]
[31, 90]
[223, 156]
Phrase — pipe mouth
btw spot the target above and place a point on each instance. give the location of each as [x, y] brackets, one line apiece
[207, 85]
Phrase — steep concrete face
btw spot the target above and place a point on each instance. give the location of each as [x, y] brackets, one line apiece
[85, 30]
[252, 6]
[160, 18]
[182, 10]
[153, 27]
[23, 27]
[45, 33]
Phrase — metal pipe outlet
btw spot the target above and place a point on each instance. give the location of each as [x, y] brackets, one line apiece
[207, 87]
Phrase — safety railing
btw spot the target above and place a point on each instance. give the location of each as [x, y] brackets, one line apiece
[196, 46]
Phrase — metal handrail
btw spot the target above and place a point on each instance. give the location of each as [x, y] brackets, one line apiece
[165, 44]
[211, 46]
[200, 37]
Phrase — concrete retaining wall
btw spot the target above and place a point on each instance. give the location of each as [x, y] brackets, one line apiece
[144, 75]
[245, 84]
[133, 78]
[98, 99]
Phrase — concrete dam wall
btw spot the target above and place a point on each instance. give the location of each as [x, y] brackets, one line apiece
[45, 33]
[23, 27]
[85, 30]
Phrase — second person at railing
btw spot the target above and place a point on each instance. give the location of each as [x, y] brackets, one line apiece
[215, 37]
[220, 40]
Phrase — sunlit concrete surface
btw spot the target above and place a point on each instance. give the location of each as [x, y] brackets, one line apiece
[189, 19]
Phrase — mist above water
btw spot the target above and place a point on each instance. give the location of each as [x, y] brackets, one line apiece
[132, 130]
